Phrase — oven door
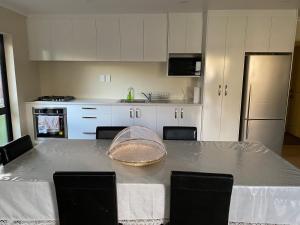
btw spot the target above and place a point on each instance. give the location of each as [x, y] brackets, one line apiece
[49, 123]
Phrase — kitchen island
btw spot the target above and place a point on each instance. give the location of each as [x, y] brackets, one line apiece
[266, 187]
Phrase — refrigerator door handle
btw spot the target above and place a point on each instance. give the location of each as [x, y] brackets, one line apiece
[247, 130]
[249, 101]
[248, 111]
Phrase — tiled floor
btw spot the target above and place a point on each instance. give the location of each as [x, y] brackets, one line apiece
[291, 149]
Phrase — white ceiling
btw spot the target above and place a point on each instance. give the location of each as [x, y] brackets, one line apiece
[28, 7]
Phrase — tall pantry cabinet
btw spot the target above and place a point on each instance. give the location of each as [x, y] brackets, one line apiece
[223, 80]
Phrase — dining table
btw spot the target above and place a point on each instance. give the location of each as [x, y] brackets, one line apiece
[266, 187]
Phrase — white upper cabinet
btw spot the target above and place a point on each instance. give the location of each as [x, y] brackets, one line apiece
[185, 33]
[155, 37]
[258, 33]
[271, 31]
[61, 36]
[177, 31]
[84, 39]
[131, 29]
[193, 33]
[283, 32]
[108, 38]
[39, 38]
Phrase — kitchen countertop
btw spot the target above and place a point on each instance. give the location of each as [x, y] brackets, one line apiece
[111, 102]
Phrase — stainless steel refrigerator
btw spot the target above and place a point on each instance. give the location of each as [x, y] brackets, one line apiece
[265, 97]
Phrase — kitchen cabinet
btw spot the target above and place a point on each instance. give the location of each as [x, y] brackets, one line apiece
[134, 115]
[155, 37]
[258, 33]
[283, 32]
[271, 31]
[179, 116]
[84, 39]
[185, 33]
[82, 120]
[131, 31]
[61, 36]
[223, 78]
[39, 38]
[122, 115]
[108, 38]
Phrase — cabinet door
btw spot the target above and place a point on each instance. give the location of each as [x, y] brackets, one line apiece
[61, 34]
[258, 34]
[233, 78]
[145, 116]
[166, 116]
[108, 38]
[122, 115]
[193, 33]
[131, 27]
[213, 79]
[283, 33]
[83, 120]
[177, 33]
[84, 38]
[190, 116]
[155, 37]
[39, 38]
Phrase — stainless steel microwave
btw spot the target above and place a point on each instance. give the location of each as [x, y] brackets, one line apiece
[184, 65]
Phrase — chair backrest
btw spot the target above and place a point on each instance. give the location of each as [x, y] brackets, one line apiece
[200, 198]
[86, 198]
[14, 149]
[108, 132]
[180, 133]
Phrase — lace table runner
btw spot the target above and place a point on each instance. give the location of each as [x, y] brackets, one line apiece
[124, 222]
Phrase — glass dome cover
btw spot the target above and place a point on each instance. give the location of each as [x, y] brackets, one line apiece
[137, 146]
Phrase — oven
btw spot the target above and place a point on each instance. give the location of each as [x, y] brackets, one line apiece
[50, 122]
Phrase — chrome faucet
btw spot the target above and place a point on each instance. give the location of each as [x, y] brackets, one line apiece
[148, 96]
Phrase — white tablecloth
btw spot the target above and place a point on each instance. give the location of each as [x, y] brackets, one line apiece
[266, 188]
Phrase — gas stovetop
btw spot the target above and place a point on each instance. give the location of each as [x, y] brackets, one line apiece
[54, 98]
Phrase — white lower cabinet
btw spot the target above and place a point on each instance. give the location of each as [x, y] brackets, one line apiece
[134, 115]
[83, 119]
[185, 116]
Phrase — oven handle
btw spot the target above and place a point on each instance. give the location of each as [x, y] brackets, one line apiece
[50, 114]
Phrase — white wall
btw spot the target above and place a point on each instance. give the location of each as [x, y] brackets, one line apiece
[24, 73]
[81, 79]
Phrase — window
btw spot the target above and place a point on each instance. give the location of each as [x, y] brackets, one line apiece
[5, 117]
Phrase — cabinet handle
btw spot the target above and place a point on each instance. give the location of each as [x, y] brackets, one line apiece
[181, 113]
[89, 133]
[131, 113]
[176, 113]
[89, 117]
[226, 92]
[88, 108]
[138, 113]
[219, 89]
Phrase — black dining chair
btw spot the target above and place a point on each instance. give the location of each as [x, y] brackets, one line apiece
[14, 149]
[108, 132]
[86, 198]
[180, 133]
[200, 198]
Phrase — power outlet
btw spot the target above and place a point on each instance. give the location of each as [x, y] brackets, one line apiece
[102, 77]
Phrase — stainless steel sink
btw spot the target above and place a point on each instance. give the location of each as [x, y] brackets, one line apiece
[134, 101]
